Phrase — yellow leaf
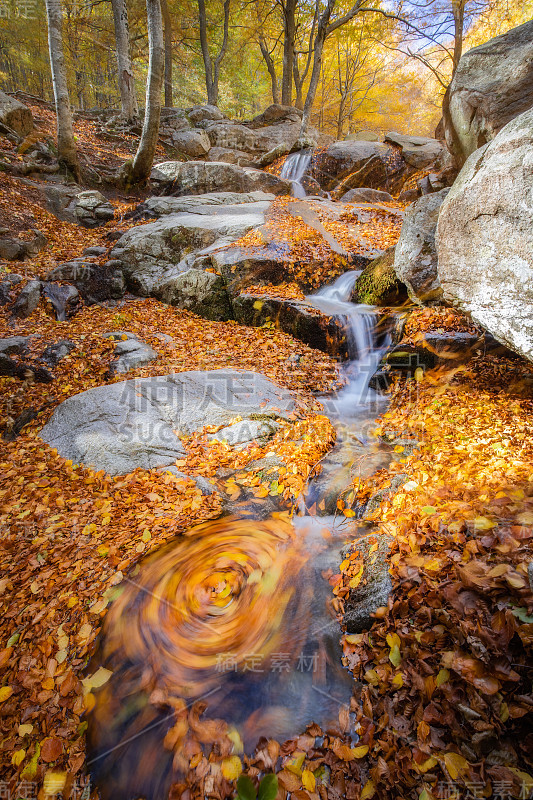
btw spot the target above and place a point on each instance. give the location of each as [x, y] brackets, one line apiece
[5, 692]
[34, 587]
[54, 782]
[368, 790]
[98, 679]
[397, 681]
[89, 702]
[484, 524]
[395, 657]
[356, 580]
[24, 730]
[442, 676]
[146, 535]
[258, 305]
[89, 529]
[235, 737]
[18, 757]
[85, 631]
[525, 779]
[61, 656]
[372, 677]
[419, 374]
[360, 751]
[98, 607]
[455, 764]
[428, 764]
[433, 564]
[231, 768]
[295, 764]
[308, 780]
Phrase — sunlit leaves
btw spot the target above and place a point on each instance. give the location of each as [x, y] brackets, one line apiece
[231, 767]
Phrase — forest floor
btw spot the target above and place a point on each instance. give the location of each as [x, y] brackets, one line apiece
[444, 675]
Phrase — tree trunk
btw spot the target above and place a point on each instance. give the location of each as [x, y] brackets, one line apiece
[212, 68]
[66, 145]
[323, 30]
[144, 157]
[167, 27]
[298, 85]
[289, 33]
[320, 38]
[126, 83]
[458, 10]
[271, 70]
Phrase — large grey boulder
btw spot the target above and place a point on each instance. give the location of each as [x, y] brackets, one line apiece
[68, 203]
[485, 237]
[63, 301]
[493, 84]
[200, 177]
[15, 115]
[351, 165]
[92, 209]
[275, 114]
[137, 423]
[7, 286]
[232, 136]
[14, 249]
[228, 156]
[366, 196]
[27, 300]
[167, 259]
[95, 283]
[207, 113]
[415, 260]
[419, 152]
[193, 144]
[201, 292]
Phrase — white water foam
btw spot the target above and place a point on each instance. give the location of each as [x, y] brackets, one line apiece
[294, 169]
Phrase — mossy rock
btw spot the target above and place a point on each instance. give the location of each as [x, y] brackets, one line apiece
[378, 284]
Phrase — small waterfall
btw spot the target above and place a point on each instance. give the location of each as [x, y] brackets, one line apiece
[294, 169]
[364, 349]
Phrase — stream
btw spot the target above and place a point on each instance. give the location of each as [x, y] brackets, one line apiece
[228, 635]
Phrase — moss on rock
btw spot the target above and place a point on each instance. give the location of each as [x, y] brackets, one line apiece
[378, 284]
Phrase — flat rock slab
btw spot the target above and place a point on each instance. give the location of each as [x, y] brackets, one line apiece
[137, 423]
[201, 204]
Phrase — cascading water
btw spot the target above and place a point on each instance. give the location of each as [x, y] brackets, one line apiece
[294, 169]
[364, 349]
[227, 634]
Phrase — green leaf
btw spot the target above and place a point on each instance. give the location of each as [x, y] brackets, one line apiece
[245, 788]
[522, 615]
[268, 788]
